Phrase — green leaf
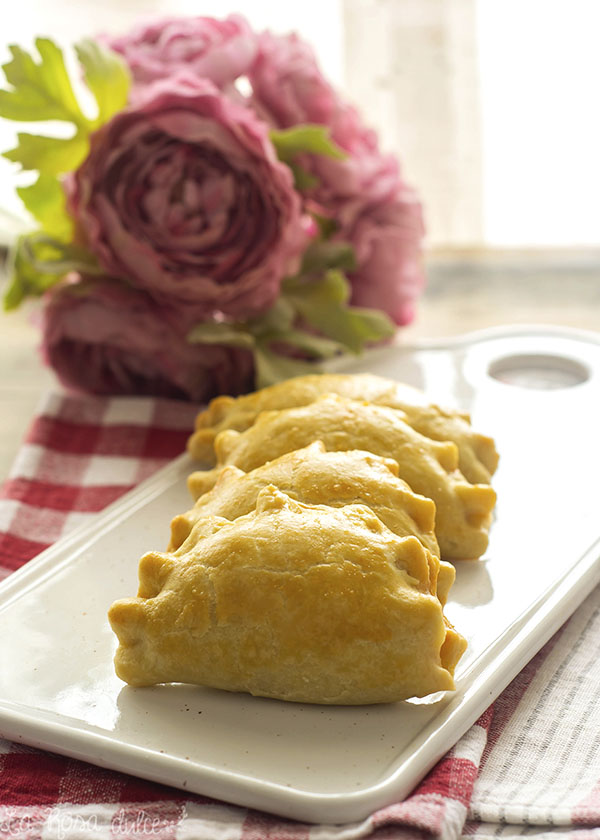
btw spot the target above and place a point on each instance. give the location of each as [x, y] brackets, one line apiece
[316, 298]
[305, 138]
[278, 318]
[327, 226]
[373, 324]
[272, 367]
[40, 262]
[49, 155]
[214, 332]
[65, 257]
[315, 345]
[303, 179]
[106, 76]
[323, 304]
[40, 91]
[56, 77]
[25, 279]
[45, 200]
[323, 255]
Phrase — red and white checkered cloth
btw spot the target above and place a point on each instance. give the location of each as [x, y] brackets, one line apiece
[530, 765]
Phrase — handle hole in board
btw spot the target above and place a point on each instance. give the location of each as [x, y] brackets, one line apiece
[540, 371]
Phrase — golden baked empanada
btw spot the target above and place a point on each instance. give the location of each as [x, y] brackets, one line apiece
[299, 602]
[463, 510]
[315, 476]
[478, 458]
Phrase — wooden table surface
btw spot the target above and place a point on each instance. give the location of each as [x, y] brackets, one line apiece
[465, 292]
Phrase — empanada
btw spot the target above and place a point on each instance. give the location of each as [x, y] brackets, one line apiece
[463, 510]
[478, 458]
[315, 476]
[299, 602]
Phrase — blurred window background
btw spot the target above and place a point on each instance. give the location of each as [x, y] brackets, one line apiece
[491, 106]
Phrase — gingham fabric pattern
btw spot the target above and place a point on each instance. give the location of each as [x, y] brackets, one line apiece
[529, 766]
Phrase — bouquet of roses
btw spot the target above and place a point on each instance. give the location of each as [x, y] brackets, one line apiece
[223, 219]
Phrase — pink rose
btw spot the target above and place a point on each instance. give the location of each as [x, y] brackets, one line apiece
[387, 240]
[364, 193]
[218, 50]
[182, 195]
[288, 86]
[347, 186]
[382, 218]
[105, 338]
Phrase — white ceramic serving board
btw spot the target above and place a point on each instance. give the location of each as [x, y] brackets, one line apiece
[537, 392]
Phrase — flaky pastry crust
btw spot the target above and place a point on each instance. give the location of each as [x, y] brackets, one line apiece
[463, 510]
[299, 602]
[478, 458]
